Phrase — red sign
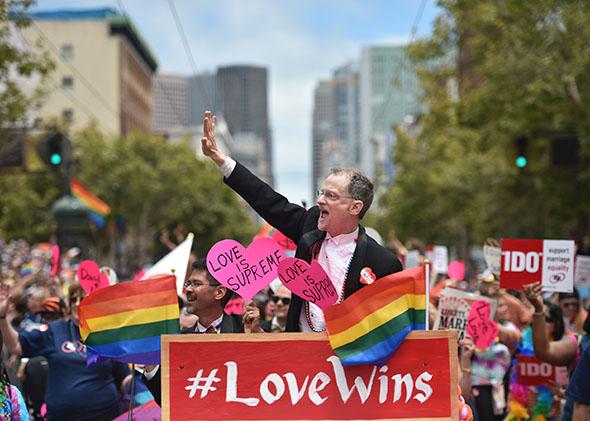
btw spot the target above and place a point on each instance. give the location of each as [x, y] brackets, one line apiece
[531, 371]
[297, 377]
[521, 263]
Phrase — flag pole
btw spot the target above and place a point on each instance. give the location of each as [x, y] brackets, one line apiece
[427, 288]
[132, 392]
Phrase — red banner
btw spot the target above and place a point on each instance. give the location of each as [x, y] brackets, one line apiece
[531, 371]
[521, 263]
[298, 377]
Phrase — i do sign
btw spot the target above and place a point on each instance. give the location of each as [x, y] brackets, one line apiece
[548, 261]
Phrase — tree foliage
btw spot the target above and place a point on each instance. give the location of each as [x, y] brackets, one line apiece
[520, 69]
[154, 184]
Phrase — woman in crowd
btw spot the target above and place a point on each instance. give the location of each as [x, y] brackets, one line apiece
[74, 391]
[573, 311]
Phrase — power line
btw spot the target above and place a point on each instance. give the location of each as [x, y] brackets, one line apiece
[187, 49]
[158, 81]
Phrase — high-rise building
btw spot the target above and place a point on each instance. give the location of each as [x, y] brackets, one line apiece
[171, 94]
[242, 99]
[389, 91]
[103, 69]
[323, 136]
[346, 101]
[201, 97]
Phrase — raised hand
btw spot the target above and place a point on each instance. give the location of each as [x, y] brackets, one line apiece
[208, 142]
[533, 294]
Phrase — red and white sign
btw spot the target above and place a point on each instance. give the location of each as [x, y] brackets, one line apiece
[531, 371]
[298, 377]
[548, 261]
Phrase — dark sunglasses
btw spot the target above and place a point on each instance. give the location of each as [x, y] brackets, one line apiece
[284, 300]
[572, 304]
[548, 319]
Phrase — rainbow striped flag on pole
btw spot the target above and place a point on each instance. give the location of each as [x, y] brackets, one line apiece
[369, 326]
[125, 321]
[99, 210]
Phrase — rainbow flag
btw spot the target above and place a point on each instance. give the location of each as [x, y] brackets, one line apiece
[371, 324]
[98, 209]
[125, 321]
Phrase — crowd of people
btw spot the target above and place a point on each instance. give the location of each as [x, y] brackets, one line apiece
[46, 359]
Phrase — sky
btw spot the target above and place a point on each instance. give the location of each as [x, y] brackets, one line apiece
[299, 41]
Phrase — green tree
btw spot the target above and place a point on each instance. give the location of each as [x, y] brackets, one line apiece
[153, 183]
[25, 197]
[521, 69]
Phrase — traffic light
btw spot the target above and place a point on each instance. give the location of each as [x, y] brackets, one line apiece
[564, 151]
[521, 144]
[54, 148]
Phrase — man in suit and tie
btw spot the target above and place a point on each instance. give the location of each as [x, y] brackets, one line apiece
[329, 232]
[206, 298]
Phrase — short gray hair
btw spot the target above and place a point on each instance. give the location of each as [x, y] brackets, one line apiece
[359, 187]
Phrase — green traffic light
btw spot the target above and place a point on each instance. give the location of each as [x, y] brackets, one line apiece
[55, 159]
[520, 162]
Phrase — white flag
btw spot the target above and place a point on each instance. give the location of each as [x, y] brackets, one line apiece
[175, 263]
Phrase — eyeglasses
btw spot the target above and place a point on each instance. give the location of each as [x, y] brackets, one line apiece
[569, 304]
[330, 196]
[196, 284]
[284, 300]
[548, 319]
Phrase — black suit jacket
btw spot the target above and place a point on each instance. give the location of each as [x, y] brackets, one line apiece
[300, 225]
[229, 324]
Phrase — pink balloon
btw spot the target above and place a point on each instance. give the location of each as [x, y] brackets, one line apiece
[89, 277]
[456, 270]
[245, 271]
[308, 282]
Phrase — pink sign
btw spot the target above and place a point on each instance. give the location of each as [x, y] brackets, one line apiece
[90, 277]
[479, 326]
[245, 271]
[456, 270]
[308, 282]
[55, 256]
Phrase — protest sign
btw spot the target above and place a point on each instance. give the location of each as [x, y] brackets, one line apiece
[531, 371]
[582, 271]
[297, 377]
[174, 263]
[90, 277]
[454, 307]
[439, 256]
[412, 259]
[480, 327]
[308, 282]
[245, 271]
[548, 261]
[492, 256]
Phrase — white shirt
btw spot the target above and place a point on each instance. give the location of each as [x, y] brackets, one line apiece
[334, 257]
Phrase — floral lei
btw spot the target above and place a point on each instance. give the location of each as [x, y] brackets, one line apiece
[520, 394]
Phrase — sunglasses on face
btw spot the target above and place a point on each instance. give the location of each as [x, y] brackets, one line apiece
[284, 300]
[572, 304]
[548, 319]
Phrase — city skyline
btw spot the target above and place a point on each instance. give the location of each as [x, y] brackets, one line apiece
[300, 43]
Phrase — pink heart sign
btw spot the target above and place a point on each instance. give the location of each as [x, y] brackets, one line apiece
[90, 277]
[308, 282]
[479, 326]
[245, 271]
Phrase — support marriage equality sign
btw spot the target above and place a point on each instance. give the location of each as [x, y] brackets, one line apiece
[297, 377]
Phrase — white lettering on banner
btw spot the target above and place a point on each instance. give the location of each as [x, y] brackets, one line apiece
[273, 386]
[518, 261]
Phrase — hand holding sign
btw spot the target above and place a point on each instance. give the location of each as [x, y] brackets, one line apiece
[90, 277]
[479, 326]
[308, 282]
[245, 271]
